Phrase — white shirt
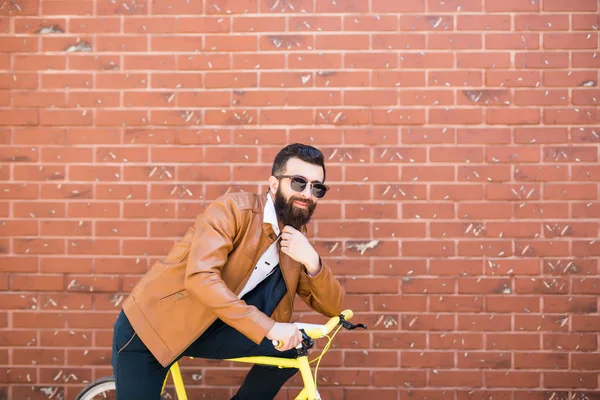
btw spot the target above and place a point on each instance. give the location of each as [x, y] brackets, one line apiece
[270, 258]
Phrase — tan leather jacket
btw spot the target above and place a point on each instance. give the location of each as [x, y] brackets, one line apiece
[199, 280]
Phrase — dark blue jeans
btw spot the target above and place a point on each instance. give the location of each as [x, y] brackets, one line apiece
[139, 376]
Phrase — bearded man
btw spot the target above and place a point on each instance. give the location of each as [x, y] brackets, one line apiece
[227, 288]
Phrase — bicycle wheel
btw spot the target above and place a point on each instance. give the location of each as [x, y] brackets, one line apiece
[101, 389]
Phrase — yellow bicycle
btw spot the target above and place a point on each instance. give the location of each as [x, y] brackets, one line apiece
[104, 388]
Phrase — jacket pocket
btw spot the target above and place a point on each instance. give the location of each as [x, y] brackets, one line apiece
[174, 297]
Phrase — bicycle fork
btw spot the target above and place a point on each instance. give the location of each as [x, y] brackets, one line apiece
[310, 386]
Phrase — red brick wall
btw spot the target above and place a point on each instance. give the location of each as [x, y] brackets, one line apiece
[462, 145]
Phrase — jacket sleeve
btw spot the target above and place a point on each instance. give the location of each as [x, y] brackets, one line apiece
[211, 244]
[322, 292]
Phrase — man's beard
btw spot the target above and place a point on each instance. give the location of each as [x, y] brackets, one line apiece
[290, 214]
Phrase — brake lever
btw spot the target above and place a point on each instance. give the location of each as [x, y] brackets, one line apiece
[350, 326]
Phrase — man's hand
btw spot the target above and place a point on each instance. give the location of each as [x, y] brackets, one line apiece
[288, 334]
[296, 245]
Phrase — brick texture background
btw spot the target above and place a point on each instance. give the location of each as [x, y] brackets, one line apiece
[462, 145]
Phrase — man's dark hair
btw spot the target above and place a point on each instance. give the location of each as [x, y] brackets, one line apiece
[304, 152]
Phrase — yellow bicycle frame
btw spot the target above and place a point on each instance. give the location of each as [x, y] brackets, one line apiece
[309, 392]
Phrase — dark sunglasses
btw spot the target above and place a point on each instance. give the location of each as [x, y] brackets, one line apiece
[298, 184]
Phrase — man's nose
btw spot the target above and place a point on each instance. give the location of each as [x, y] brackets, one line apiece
[306, 192]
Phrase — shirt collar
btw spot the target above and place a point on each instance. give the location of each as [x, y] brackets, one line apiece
[270, 216]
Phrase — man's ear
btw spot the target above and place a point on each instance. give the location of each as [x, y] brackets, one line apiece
[273, 185]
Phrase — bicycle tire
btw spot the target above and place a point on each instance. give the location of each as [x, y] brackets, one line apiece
[99, 386]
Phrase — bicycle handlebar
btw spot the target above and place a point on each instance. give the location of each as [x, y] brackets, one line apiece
[315, 331]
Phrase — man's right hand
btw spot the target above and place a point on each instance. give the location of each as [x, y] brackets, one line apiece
[288, 334]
